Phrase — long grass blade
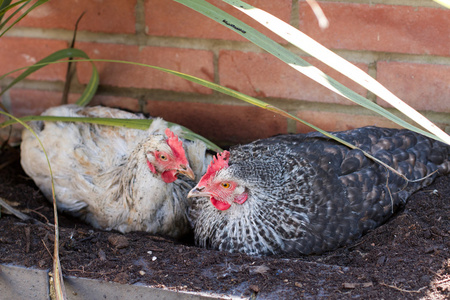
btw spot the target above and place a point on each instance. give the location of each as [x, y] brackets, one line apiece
[200, 81]
[307, 44]
[294, 61]
[38, 3]
[6, 7]
[91, 87]
[3, 4]
[142, 124]
[213, 86]
[218, 88]
[60, 291]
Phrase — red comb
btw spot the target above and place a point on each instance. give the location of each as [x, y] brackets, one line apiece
[218, 163]
[175, 144]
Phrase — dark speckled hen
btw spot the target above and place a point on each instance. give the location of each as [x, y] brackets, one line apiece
[307, 194]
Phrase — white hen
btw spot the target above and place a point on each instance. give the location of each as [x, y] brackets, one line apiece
[114, 177]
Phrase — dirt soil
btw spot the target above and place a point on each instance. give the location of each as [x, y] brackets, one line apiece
[406, 258]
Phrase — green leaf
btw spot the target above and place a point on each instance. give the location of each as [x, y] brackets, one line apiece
[192, 136]
[4, 3]
[90, 89]
[4, 7]
[9, 7]
[215, 87]
[142, 124]
[292, 60]
[310, 46]
[38, 3]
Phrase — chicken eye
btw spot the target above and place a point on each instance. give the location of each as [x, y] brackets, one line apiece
[225, 185]
[162, 157]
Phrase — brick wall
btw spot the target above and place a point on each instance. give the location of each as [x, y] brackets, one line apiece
[405, 44]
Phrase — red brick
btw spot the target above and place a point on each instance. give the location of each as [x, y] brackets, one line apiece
[263, 75]
[193, 62]
[224, 124]
[34, 102]
[126, 103]
[168, 18]
[339, 121]
[422, 86]
[113, 16]
[377, 27]
[21, 52]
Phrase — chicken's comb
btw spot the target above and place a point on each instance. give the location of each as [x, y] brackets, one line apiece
[218, 163]
[175, 144]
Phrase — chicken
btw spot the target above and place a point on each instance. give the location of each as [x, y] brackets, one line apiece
[307, 194]
[114, 177]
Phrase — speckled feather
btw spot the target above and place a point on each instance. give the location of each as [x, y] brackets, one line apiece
[308, 194]
[101, 174]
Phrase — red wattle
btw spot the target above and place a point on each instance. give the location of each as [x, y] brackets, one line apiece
[169, 176]
[219, 204]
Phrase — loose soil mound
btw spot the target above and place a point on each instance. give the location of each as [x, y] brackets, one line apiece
[406, 258]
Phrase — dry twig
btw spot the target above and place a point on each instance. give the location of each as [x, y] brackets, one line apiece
[402, 290]
[13, 211]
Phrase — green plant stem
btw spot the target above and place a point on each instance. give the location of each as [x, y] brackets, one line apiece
[57, 272]
[307, 44]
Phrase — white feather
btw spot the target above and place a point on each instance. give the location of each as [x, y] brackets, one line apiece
[101, 175]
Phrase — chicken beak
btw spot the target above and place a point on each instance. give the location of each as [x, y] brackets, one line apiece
[186, 171]
[198, 192]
